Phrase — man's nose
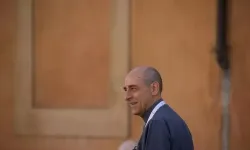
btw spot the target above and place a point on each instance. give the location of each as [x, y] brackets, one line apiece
[128, 96]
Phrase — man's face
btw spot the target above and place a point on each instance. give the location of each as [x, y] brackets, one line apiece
[137, 94]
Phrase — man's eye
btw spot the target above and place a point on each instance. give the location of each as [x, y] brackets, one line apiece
[133, 88]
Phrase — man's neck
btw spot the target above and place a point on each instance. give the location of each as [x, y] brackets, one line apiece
[153, 102]
[148, 111]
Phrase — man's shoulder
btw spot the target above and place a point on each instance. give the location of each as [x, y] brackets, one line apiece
[171, 118]
[167, 124]
[167, 113]
[165, 116]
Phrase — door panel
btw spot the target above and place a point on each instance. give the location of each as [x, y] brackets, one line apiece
[177, 37]
[71, 38]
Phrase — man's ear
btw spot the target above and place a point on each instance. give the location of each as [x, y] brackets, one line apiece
[155, 88]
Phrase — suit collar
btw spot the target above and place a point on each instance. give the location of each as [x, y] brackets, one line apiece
[148, 112]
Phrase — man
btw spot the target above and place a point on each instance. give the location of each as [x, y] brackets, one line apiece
[164, 129]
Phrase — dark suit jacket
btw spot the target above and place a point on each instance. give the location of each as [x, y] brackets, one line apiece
[165, 131]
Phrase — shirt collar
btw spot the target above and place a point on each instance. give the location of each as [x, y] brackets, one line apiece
[148, 112]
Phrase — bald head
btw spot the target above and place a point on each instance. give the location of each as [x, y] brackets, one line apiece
[148, 74]
[143, 86]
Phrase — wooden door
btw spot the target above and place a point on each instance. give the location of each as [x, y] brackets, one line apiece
[54, 97]
[62, 68]
[62, 64]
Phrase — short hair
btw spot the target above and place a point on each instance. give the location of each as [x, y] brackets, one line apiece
[152, 75]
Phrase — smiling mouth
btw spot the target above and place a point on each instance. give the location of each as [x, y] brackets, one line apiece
[132, 104]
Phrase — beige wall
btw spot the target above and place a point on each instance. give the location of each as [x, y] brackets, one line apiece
[177, 37]
[162, 31]
[239, 42]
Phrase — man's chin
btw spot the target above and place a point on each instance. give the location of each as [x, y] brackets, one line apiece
[134, 112]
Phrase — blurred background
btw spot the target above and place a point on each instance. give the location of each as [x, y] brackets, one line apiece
[62, 65]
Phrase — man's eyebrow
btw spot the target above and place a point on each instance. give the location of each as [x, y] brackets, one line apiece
[132, 85]
[129, 86]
